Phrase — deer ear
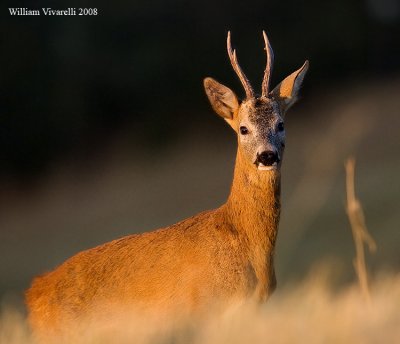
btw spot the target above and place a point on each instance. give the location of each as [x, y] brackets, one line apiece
[222, 99]
[287, 91]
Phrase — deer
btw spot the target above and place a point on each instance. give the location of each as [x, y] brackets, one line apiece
[216, 258]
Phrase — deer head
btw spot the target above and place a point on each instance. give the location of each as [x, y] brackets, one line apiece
[257, 120]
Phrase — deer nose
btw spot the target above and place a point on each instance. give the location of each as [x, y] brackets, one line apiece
[268, 158]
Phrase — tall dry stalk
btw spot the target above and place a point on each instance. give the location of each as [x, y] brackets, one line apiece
[359, 230]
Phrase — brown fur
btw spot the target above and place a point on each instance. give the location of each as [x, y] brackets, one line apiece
[223, 255]
[214, 259]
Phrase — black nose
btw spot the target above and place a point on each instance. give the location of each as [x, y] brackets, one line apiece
[268, 158]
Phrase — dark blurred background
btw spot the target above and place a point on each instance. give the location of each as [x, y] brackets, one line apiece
[105, 128]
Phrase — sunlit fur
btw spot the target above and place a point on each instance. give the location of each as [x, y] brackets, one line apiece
[209, 261]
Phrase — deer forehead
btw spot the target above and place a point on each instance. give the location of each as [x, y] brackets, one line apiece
[261, 113]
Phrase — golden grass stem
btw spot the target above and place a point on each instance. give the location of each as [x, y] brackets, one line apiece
[359, 229]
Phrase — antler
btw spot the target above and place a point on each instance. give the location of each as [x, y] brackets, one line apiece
[268, 68]
[235, 64]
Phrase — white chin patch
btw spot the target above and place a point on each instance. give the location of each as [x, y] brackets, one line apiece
[262, 167]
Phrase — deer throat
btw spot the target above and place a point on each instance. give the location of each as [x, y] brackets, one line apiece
[254, 206]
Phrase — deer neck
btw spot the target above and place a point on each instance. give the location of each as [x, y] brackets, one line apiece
[253, 207]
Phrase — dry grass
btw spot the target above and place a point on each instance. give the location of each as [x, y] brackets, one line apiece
[359, 230]
[310, 312]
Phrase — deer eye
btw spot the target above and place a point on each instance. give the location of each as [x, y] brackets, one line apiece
[281, 126]
[244, 130]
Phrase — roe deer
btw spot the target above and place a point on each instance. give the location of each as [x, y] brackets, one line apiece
[218, 257]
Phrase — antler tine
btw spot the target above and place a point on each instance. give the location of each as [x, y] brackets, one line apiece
[235, 64]
[268, 68]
